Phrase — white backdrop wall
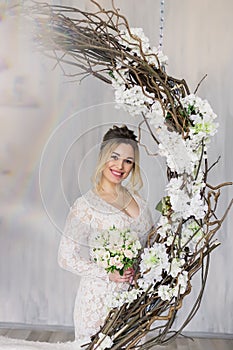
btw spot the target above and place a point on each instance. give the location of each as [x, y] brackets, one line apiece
[50, 133]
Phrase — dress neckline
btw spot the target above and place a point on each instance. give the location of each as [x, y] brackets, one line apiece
[118, 210]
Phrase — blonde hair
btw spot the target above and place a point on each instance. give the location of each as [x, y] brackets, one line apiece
[106, 149]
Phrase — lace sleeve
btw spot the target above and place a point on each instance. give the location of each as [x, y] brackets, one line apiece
[74, 251]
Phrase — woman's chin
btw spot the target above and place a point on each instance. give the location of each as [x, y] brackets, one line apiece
[117, 181]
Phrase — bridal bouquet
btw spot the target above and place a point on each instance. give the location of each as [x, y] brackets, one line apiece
[116, 250]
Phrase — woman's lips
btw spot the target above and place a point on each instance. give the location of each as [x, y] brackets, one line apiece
[117, 174]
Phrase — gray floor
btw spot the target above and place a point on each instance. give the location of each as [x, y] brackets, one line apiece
[63, 335]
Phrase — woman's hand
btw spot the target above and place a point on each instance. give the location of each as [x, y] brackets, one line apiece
[126, 277]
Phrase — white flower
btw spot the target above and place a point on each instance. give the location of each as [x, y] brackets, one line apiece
[174, 148]
[146, 281]
[182, 281]
[202, 115]
[115, 238]
[137, 245]
[138, 43]
[192, 235]
[164, 227]
[133, 100]
[185, 197]
[152, 257]
[181, 284]
[170, 240]
[154, 262]
[197, 206]
[155, 115]
[133, 41]
[163, 59]
[165, 292]
[101, 256]
[117, 299]
[115, 261]
[176, 266]
[104, 342]
[128, 253]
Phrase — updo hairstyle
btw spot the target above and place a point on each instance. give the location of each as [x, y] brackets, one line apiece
[114, 137]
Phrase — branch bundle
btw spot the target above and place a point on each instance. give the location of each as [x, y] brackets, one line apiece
[93, 44]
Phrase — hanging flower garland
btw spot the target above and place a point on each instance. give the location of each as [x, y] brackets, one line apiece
[181, 124]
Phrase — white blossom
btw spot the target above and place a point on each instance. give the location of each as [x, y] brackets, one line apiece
[165, 292]
[163, 59]
[104, 342]
[155, 115]
[164, 227]
[154, 258]
[134, 100]
[129, 253]
[173, 147]
[139, 44]
[202, 116]
[117, 299]
[186, 199]
[176, 266]
[181, 283]
[134, 40]
[154, 262]
[192, 235]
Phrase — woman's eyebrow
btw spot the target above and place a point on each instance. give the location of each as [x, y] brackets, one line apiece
[118, 154]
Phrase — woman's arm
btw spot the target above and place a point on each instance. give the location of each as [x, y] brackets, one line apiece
[70, 259]
[74, 252]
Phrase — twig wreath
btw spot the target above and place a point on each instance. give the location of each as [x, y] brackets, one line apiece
[102, 44]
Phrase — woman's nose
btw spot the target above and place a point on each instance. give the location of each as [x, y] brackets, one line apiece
[120, 163]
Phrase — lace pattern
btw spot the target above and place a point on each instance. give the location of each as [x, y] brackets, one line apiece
[88, 216]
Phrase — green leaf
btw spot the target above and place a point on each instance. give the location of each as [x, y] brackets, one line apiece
[110, 73]
[164, 205]
[121, 272]
[159, 206]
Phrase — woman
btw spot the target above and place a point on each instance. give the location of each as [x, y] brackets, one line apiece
[108, 203]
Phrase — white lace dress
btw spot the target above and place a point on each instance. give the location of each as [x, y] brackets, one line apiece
[88, 216]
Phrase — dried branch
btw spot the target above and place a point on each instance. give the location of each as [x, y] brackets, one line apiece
[90, 42]
[93, 44]
[198, 85]
[219, 186]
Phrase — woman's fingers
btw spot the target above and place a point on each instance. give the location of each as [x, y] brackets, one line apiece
[126, 277]
[129, 272]
[123, 279]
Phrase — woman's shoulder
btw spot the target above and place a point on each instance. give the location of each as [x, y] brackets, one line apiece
[82, 203]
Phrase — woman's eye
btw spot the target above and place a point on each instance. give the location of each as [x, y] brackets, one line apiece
[128, 161]
[114, 157]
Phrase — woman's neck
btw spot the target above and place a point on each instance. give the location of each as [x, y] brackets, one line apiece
[109, 188]
[119, 197]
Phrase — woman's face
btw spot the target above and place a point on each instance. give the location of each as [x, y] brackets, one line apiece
[120, 164]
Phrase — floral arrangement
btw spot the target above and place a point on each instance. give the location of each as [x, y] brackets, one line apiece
[116, 250]
[181, 124]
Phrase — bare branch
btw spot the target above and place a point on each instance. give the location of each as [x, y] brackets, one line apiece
[93, 44]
